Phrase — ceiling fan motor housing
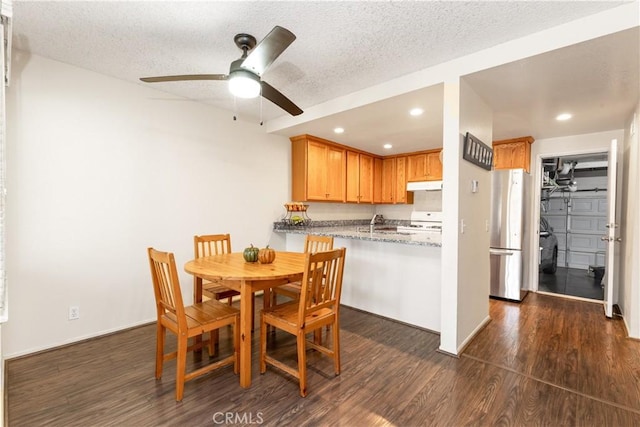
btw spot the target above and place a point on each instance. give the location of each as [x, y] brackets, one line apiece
[246, 42]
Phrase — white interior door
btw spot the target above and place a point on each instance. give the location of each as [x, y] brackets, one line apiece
[612, 230]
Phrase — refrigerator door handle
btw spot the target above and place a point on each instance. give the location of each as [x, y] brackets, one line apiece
[505, 252]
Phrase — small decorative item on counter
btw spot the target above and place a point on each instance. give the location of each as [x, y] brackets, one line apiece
[250, 254]
[293, 217]
[295, 207]
[266, 255]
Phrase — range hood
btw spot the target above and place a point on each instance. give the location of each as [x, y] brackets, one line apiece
[424, 186]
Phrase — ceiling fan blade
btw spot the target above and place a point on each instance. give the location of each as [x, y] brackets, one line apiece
[275, 96]
[184, 77]
[268, 50]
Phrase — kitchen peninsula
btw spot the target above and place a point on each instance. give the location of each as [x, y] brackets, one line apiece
[391, 274]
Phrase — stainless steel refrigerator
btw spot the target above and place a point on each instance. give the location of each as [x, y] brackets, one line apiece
[509, 255]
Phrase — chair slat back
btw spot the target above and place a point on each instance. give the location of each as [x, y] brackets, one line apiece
[321, 282]
[212, 244]
[313, 244]
[166, 285]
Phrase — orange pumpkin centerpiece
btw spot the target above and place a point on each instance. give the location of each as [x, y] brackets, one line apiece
[266, 255]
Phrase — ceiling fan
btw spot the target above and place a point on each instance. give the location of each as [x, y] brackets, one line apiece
[244, 73]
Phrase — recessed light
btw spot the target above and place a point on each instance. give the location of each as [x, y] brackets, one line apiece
[338, 130]
[387, 146]
[416, 111]
[564, 116]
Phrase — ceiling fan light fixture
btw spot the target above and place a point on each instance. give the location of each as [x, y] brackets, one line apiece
[244, 84]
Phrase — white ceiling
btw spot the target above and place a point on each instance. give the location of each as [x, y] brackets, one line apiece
[343, 47]
[596, 81]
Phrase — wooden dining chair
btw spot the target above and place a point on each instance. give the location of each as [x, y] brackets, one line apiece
[215, 244]
[318, 306]
[312, 244]
[187, 322]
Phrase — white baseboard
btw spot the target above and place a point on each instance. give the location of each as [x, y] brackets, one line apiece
[473, 334]
[76, 340]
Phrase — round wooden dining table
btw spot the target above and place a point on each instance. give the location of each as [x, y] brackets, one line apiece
[234, 272]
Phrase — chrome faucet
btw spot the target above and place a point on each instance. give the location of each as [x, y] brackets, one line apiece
[377, 219]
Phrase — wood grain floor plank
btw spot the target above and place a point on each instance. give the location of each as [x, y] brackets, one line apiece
[547, 361]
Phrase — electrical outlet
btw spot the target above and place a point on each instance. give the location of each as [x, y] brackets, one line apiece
[74, 312]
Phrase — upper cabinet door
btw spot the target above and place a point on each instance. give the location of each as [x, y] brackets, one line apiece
[424, 167]
[388, 180]
[336, 174]
[512, 153]
[318, 170]
[401, 194]
[353, 177]
[377, 180]
[417, 167]
[434, 166]
[366, 179]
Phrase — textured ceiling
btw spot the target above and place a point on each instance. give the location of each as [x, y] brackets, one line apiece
[341, 47]
[597, 81]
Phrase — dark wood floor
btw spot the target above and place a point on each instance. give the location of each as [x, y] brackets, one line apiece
[547, 361]
[572, 281]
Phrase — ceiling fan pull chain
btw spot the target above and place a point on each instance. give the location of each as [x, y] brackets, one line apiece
[261, 111]
[235, 108]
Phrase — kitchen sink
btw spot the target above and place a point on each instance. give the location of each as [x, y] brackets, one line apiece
[378, 229]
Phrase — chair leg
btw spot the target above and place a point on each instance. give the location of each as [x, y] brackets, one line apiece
[160, 333]
[302, 362]
[181, 362]
[266, 298]
[263, 344]
[213, 343]
[336, 348]
[214, 335]
[236, 344]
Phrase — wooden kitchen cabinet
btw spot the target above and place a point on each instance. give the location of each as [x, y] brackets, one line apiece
[318, 170]
[512, 153]
[401, 193]
[434, 166]
[325, 171]
[388, 180]
[424, 166]
[360, 176]
[394, 181]
[417, 167]
[377, 180]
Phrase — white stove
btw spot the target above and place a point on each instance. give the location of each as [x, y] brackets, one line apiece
[423, 222]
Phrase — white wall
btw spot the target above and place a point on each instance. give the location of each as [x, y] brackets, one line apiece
[465, 236]
[629, 290]
[451, 153]
[337, 211]
[422, 201]
[473, 244]
[100, 169]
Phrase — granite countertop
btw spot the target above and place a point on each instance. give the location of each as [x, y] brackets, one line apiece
[359, 230]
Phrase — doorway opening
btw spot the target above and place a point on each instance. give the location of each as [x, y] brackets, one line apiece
[573, 219]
